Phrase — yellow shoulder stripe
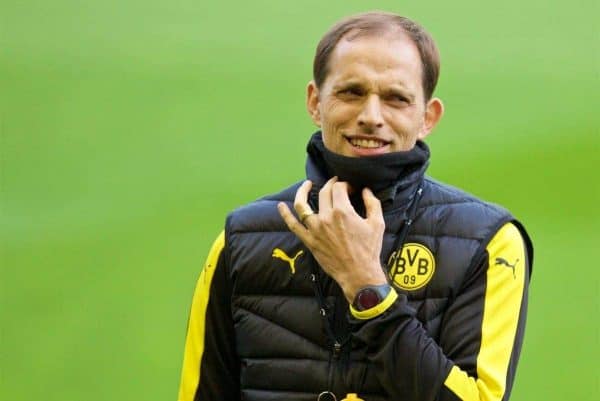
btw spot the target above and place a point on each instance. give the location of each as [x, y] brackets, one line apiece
[194, 343]
[503, 295]
[376, 310]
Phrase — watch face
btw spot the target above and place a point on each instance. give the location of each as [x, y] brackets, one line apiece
[367, 298]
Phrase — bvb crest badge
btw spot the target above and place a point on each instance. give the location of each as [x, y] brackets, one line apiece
[411, 267]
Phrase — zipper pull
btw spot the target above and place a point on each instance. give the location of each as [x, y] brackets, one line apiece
[337, 348]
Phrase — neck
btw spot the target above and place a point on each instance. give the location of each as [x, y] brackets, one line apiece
[392, 177]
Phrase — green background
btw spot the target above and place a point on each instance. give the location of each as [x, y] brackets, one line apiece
[130, 128]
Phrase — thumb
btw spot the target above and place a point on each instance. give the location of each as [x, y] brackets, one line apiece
[372, 205]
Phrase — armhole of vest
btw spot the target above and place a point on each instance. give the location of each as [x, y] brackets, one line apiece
[528, 244]
[225, 253]
[481, 252]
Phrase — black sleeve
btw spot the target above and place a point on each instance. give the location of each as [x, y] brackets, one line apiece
[481, 333]
[210, 364]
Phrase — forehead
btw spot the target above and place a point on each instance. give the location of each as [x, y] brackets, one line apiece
[392, 56]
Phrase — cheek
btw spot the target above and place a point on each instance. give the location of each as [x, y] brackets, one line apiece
[336, 114]
[408, 121]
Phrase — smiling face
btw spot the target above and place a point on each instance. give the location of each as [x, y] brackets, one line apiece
[372, 101]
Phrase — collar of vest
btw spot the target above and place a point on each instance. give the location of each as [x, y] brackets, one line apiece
[393, 177]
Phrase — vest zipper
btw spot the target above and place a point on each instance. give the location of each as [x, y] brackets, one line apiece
[331, 370]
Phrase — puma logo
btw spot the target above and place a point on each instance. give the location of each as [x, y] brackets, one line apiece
[502, 261]
[279, 254]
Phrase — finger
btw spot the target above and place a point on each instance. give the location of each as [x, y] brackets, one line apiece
[325, 196]
[292, 223]
[340, 196]
[372, 206]
[301, 200]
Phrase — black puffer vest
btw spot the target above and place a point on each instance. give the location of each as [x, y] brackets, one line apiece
[281, 338]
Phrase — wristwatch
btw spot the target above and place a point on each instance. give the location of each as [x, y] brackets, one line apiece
[370, 296]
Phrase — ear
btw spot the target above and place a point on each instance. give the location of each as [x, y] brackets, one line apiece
[433, 114]
[312, 102]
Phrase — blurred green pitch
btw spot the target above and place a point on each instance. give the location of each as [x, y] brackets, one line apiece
[129, 129]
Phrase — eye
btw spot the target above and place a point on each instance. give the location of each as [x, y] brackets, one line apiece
[351, 92]
[398, 99]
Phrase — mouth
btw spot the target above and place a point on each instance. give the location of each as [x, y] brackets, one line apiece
[371, 143]
[366, 145]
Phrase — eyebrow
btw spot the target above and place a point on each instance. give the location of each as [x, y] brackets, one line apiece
[399, 89]
[348, 85]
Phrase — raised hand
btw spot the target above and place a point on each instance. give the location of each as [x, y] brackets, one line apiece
[346, 245]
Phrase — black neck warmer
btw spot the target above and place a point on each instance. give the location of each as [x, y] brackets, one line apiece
[389, 175]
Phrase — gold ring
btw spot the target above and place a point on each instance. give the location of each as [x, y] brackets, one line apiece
[305, 215]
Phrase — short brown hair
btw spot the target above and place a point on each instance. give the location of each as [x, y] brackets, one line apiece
[377, 22]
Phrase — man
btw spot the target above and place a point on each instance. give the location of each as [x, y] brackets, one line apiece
[384, 284]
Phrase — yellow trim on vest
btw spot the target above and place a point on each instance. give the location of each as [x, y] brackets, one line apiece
[194, 343]
[503, 295]
[461, 384]
[376, 310]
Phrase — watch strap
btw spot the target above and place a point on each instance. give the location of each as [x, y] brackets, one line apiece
[389, 295]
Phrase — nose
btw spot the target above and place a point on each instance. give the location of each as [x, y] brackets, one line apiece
[370, 116]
